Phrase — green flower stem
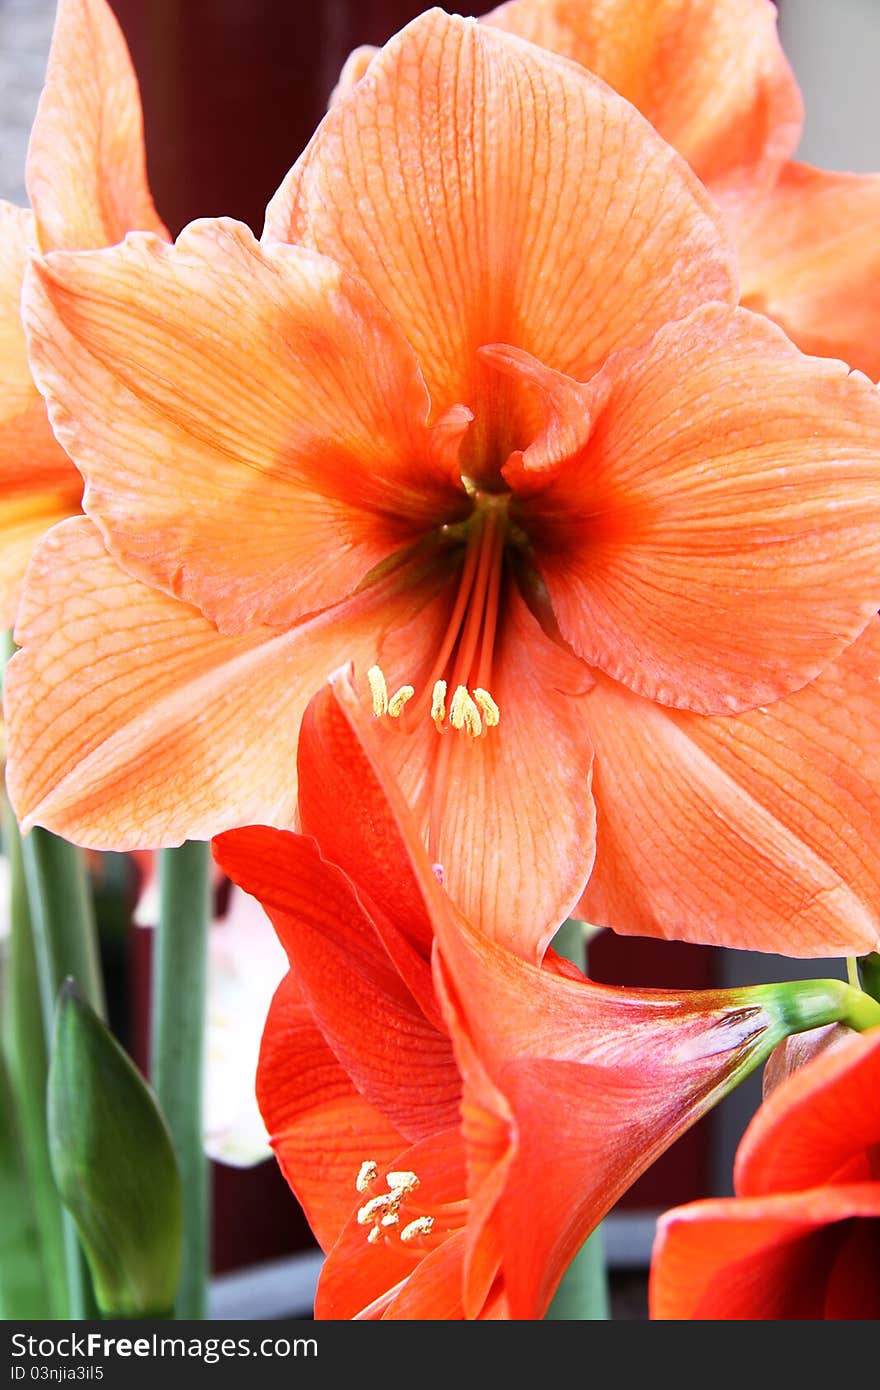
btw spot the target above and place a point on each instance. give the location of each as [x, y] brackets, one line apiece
[65, 937]
[177, 1045]
[582, 1295]
[852, 972]
[861, 1011]
[24, 1048]
[65, 944]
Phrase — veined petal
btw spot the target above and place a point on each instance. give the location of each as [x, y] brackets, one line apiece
[489, 191]
[714, 545]
[813, 1125]
[217, 389]
[710, 75]
[398, 1060]
[509, 815]
[810, 259]
[321, 1128]
[360, 1280]
[86, 164]
[755, 832]
[132, 723]
[768, 1257]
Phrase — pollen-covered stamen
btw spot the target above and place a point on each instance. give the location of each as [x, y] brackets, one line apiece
[422, 1226]
[464, 714]
[490, 711]
[367, 1175]
[383, 703]
[377, 1206]
[382, 1212]
[403, 1181]
[379, 691]
[438, 703]
[399, 699]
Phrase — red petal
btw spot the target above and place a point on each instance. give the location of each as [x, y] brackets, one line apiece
[819, 1120]
[398, 1060]
[759, 1258]
[321, 1129]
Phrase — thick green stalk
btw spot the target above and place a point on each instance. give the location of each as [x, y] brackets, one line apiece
[177, 1045]
[582, 1295]
[24, 1047]
[65, 945]
[65, 936]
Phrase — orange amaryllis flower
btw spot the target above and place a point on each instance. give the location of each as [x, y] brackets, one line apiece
[86, 180]
[712, 78]
[454, 1119]
[491, 426]
[801, 1239]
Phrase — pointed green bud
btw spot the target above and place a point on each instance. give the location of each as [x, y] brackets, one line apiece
[114, 1165]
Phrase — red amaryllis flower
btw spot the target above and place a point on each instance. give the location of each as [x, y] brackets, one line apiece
[87, 185]
[801, 1239]
[492, 427]
[454, 1119]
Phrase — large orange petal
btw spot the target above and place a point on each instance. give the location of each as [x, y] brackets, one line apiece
[765, 1258]
[491, 192]
[398, 1060]
[321, 1129]
[710, 75]
[755, 832]
[216, 389]
[509, 815]
[132, 723]
[86, 165]
[810, 258]
[813, 1125]
[714, 544]
[360, 1280]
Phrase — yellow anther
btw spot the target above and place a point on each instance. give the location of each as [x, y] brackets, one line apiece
[372, 1210]
[402, 1182]
[491, 712]
[399, 699]
[374, 1236]
[463, 713]
[379, 691]
[438, 703]
[422, 1226]
[369, 1172]
[390, 1218]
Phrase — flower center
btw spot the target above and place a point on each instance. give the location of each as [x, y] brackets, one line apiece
[463, 664]
[382, 1211]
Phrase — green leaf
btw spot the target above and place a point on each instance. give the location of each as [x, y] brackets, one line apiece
[22, 1273]
[114, 1165]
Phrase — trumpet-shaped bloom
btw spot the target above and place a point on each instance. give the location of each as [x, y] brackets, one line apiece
[801, 1239]
[454, 1119]
[481, 415]
[87, 185]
